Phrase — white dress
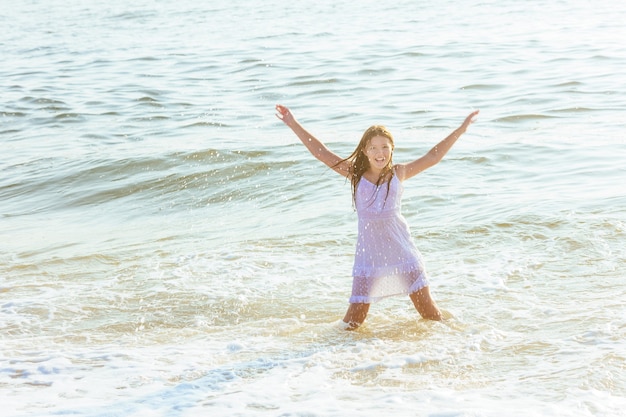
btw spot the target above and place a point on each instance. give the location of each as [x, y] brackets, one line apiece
[386, 261]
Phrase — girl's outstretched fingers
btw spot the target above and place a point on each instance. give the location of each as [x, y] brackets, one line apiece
[471, 118]
[283, 113]
[279, 111]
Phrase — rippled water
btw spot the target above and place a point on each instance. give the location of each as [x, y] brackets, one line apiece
[169, 248]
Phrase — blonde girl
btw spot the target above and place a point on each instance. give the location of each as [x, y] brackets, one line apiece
[386, 261]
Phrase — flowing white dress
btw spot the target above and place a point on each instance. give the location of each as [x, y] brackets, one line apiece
[386, 262]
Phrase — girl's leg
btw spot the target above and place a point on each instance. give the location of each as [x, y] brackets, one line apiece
[355, 316]
[425, 305]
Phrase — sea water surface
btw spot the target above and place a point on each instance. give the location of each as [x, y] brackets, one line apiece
[169, 248]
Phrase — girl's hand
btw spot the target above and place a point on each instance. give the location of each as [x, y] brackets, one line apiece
[284, 114]
[469, 120]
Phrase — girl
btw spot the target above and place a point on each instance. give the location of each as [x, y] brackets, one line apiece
[386, 262]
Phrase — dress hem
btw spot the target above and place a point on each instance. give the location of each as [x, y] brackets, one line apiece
[421, 282]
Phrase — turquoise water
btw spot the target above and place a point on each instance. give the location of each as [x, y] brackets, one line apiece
[168, 247]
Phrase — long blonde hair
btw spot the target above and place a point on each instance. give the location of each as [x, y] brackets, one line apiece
[359, 162]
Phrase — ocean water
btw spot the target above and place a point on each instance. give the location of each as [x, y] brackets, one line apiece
[169, 248]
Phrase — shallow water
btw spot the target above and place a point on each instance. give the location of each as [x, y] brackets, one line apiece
[169, 248]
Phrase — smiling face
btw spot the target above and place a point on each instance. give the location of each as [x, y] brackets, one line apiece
[379, 151]
[372, 155]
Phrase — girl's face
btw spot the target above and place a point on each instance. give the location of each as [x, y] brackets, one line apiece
[379, 151]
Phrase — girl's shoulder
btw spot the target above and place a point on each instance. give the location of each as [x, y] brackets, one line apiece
[398, 171]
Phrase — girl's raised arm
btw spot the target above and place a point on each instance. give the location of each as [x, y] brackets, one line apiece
[314, 145]
[436, 154]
